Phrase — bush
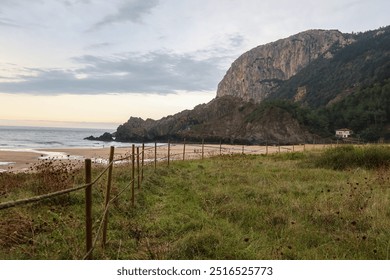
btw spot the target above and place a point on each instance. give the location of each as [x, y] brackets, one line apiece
[349, 156]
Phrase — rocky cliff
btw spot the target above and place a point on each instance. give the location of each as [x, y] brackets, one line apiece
[259, 72]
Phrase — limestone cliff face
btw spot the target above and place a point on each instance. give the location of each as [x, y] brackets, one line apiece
[258, 72]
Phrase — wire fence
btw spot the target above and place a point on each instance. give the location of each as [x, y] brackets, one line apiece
[140, 157]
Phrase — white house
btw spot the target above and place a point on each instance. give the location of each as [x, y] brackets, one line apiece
[343, 133]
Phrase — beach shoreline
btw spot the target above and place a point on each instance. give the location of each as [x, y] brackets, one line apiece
[14, 160]
[22, 160]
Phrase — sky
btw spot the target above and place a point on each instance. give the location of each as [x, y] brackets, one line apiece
[95, 63]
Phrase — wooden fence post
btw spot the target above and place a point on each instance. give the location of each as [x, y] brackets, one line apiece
[108, 190]
[142, 162]
[169, 150]
[155, 155]
[88, 208]
[202, 148]
[266, 148]
[132, 175]
[138, 170]
[184, 149]
[243, 147]
[220, 147]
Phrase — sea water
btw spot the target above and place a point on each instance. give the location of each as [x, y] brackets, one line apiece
[37, 139]
[27, 138]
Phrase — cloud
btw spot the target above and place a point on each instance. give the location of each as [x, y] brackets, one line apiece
[236, 40]
[70, 3]
[130, 11]
[98, 46]
[154, 72]
[8, 23]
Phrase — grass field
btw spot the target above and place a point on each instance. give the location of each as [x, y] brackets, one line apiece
[280, 206]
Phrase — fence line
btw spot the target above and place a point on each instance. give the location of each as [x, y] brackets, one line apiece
[9, 204]
[90, 244]
[135, 158]
[88, 207]
[107, 196]
[102, 223]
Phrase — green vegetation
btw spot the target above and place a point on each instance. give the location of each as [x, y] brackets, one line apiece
[351, 89]
[315, 120]
[349, 156]
[362, 63]
[281, 206]
[366, 111]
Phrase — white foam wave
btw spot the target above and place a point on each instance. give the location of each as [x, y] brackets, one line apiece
[3, 163]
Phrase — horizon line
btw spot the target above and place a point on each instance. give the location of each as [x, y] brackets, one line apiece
[59, 124]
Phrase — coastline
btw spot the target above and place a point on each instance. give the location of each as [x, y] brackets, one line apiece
[21, 160]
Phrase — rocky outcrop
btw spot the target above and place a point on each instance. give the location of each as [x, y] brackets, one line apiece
[106, 137]
[223, 119]
[258, 73]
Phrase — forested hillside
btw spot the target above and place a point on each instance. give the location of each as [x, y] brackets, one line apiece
[349, 90]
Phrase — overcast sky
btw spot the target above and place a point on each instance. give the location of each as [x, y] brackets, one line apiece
[104, 61]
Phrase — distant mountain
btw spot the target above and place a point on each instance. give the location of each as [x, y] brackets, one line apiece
[290, 91]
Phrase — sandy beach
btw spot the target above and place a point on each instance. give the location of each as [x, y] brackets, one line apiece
[22, 160]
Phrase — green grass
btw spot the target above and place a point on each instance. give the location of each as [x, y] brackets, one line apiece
[231, 207]
[350, 156]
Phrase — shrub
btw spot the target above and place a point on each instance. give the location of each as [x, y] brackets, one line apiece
[349, 156]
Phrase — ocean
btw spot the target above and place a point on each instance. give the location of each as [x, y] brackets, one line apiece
[31, 138]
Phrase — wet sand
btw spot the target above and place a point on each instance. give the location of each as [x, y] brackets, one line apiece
[10, 160]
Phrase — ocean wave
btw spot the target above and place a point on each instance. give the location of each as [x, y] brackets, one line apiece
[49, 143]
[41, 138]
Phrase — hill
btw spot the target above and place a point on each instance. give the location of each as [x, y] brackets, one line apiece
[325, 81]
[293, 90]
[221, 119]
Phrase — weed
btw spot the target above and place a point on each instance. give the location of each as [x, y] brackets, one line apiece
[51, 176]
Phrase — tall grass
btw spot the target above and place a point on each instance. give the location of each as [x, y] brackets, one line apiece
[350, 156]
[227, 207]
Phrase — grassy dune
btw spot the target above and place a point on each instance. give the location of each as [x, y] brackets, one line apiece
[281, 206]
